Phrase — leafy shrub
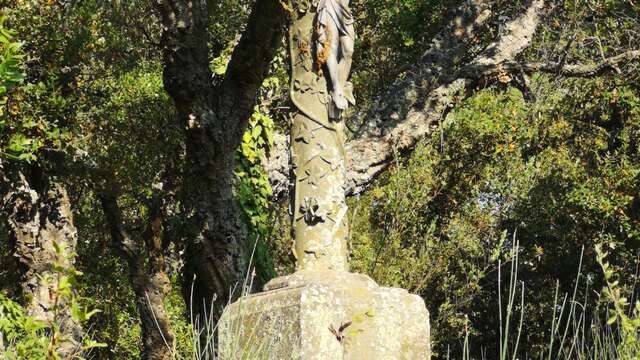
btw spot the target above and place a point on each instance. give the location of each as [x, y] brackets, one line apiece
[21, 337]
[559, 176]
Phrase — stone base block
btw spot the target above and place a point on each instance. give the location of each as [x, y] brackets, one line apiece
[325, 315]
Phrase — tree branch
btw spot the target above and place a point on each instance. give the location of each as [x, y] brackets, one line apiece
[150, 283]
[576, 70]
[446, 51]
[249, 64]
[185, 38]
[121, 239]
[369, 156]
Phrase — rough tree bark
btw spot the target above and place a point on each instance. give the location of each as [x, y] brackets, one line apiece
[39, 218]
[150, 282]
[214, 118]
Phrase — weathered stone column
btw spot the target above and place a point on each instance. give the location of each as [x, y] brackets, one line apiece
[322, 311]
[317, 156]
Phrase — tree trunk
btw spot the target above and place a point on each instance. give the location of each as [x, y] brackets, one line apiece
[214, 118]
[151, 289]
[42, 237]
[150, 283]
[216, 254]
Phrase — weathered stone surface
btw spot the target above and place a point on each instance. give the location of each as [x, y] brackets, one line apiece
[326, 315]
[319, 206]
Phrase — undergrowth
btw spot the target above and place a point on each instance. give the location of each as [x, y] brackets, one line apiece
[610, 330]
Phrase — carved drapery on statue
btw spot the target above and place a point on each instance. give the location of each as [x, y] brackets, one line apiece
[321, 40]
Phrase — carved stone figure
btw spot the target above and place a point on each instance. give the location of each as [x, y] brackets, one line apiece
[334, 48]
[321, 40]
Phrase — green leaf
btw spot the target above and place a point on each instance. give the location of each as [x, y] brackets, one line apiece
[57, 247]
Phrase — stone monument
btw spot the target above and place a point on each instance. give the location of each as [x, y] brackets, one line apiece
[322, 311]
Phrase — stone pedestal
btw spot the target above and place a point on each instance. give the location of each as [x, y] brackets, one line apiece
[325, 315]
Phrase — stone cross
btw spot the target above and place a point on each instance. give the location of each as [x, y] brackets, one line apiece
[322, 311]
[321, 45]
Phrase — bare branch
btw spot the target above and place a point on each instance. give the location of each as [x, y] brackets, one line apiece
[121, 239]
[447, 50]
[517, 37]
[577, 70]
[489, 72]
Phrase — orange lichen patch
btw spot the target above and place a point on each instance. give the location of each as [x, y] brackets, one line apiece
[323, 56]
[304, 47]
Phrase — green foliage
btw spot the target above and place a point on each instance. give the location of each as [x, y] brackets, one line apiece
[430, 226]
[130, 134]
[391, 32]
[622, 313]
[180, 324]
[11, 73]
[68, 48]
[253, 189]
[29, 118]
[21, 337]
[31, 132]
[106, 285]
[577, 329]
[562, 172]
